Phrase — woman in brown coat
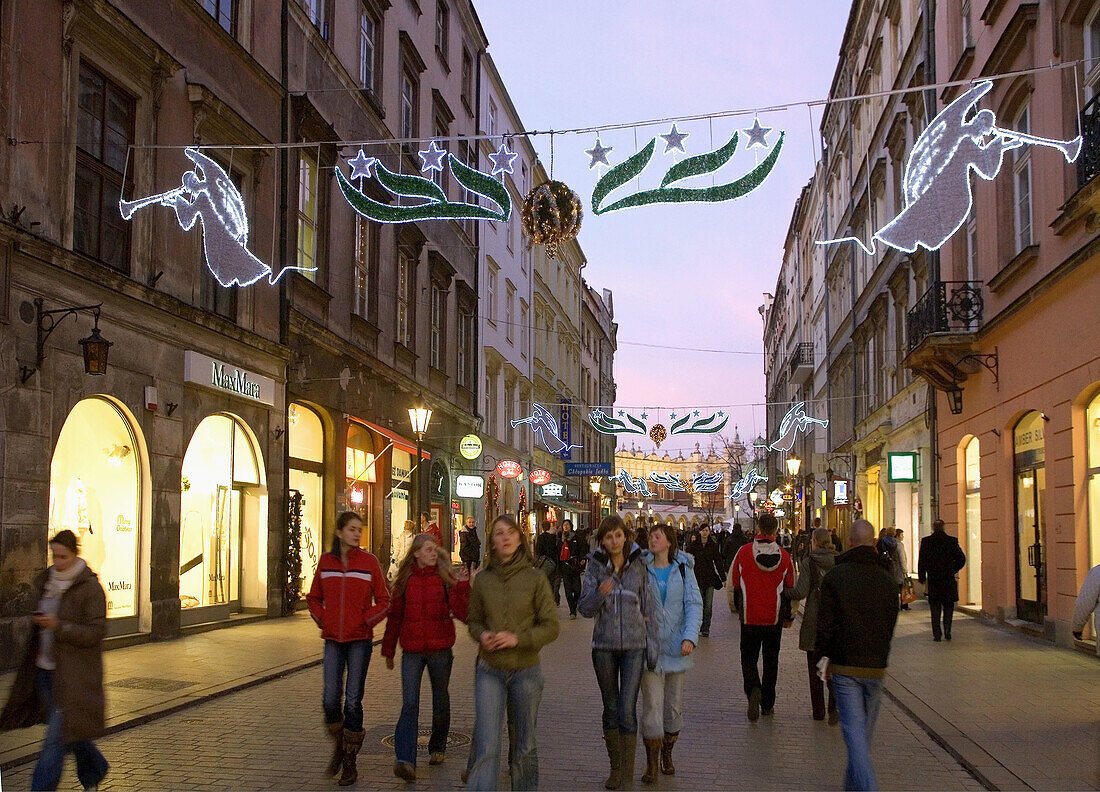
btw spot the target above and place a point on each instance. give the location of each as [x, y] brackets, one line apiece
[60, 681]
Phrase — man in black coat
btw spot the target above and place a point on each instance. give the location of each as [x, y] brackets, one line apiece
[574, 548]
[547, 557]
[857, 612]
[939, 562]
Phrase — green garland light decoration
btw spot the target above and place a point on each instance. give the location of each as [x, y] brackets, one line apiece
[692, 166]
[708, 425]
[606, 424]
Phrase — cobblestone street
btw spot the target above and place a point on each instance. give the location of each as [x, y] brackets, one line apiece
[269, 736]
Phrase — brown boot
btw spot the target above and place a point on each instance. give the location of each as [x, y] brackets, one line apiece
[628, 747]
[666, 753]
[336, 731]
[353, 741]
[611, 740]
[652, 760]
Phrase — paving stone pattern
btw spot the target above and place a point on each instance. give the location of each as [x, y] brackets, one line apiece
[270, 736]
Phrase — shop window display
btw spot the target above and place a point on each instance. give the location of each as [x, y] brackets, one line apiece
[219, 469]
[95, 491]
[360, 474]
[1093, 425]
[973, 522]
[307, 478]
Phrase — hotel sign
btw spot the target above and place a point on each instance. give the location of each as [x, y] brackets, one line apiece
[227, 378]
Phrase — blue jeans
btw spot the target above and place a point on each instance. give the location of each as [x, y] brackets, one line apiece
[619, 675]
[708, 608]
[354, 657]
[412, 673]
[858, 700]
[91, 767]
[519, 693]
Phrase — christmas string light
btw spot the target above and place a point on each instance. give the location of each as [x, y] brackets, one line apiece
[546, 429]
[794, 422]
[669, 481]
[706, 482]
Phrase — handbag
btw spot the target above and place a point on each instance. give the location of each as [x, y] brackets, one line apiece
[908, 594]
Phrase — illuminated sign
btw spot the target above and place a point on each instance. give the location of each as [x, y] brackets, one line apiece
[359, 465]
[225, 378]
[840, 493]
[510, 469]
[469, 487]
[470, 446]
[355, 496]
[902, 466]
[553, 490]
[539, 476]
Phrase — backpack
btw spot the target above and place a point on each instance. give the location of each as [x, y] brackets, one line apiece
[890, 557]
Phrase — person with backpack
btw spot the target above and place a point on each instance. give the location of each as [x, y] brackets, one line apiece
[625, 638]
[811, 571]
[348, 597]
[427, 597]
[671, 574]
[469, 550]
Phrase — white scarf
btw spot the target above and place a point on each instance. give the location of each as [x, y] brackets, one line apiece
[58, 582]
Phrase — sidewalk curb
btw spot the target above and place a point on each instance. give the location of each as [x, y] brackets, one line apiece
[975, 760]
[140, 720]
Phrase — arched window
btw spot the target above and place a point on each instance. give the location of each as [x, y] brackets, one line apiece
[306, 477]
[361, 473]
[1092, 417]
[973, 487]
[222, 498]
[95, 492]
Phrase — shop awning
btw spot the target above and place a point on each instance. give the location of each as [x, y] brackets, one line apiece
[398, 441]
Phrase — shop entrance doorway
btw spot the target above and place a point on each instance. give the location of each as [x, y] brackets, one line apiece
[1030, 470]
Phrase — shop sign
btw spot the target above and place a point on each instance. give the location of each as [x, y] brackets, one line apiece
[901, 466]
[539, 476]
[226, 378]
[779, 513]
[355, 496]
[359, 465]
[470, 446]
[553, 490]
[840, 493]
[510, 469]
[469, 487]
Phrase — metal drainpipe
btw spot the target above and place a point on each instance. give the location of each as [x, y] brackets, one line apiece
[284, 303]
[930, 109]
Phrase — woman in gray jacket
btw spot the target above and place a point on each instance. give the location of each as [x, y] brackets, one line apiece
[617, 592]
[811, 571]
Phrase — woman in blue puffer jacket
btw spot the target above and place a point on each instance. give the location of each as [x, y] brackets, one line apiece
[672, 574]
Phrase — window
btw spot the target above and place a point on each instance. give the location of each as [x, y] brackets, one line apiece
[317, 11]
[1021, 183]
[1092, 427]
[362, 266]
[1092, 53]
[973, 472]
[465, 344]
[367, 49]
[509, 312]
[467, 77]
[439, 306]
[404, 292]
[408, 105]
[105, 129]
[491, 122]
[441, 23]
[972, 239]
[216, 298]
[224, 11]
[967, 33]
[307, 216]
[490, 398]
[491, 294]
[440, 176]
[524, 328]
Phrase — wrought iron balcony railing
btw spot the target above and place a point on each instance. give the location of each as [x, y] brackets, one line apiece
[803, 355]
[1088, 163]
[947, 307]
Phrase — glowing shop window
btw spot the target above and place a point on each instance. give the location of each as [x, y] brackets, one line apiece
[95, 489]
[220, 462]
[307, 450]
[1093, 427]
[307, 437]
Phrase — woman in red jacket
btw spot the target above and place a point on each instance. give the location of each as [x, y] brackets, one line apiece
[427, 596]
[348, 597]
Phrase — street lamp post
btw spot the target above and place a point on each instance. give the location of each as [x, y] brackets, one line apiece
[794, 464]
[594, 510]
[419, 417]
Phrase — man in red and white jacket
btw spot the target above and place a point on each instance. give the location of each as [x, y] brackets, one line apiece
[760, 571]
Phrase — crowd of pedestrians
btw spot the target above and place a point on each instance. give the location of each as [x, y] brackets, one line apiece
[649, 600]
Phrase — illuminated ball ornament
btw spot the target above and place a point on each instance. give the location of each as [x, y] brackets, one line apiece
[658, 434]
[551, 215]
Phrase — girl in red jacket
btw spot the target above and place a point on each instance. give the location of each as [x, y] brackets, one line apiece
[427, 596]
[348, 597]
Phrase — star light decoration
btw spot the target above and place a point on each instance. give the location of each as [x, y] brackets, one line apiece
[361, 166]
[757, 135]
[674, 140]
[502, 160]
[432, 159]
[598, 153]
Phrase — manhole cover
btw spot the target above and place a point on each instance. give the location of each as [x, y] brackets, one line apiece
[454, 740]
[150, 683]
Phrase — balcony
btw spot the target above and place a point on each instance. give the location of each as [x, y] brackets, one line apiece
[801, 363]
[1088, 163]
[942, 329]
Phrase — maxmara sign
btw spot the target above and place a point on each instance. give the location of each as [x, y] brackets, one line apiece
[227, 378]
